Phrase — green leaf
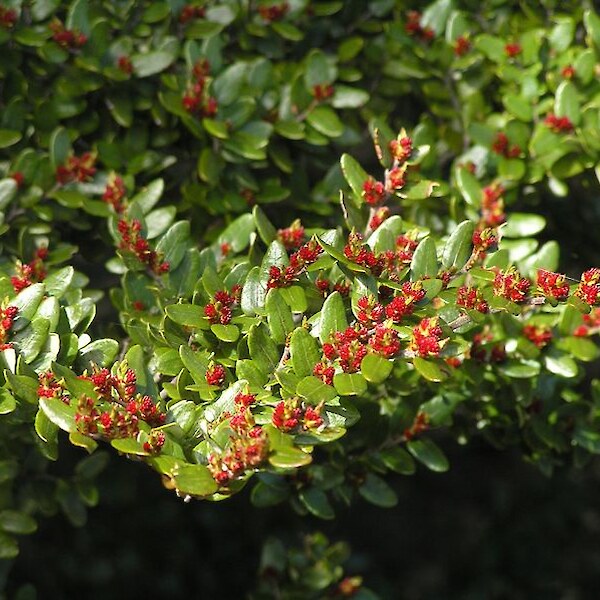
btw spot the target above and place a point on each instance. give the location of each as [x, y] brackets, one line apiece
[58, 282]
[226, 333]
[129, 446]
[238, 233]
[325, 121]
[61, 414]
[469, 187]
[424, 261]
[174, 244]
[149, 195]
[349, 384]
[429, 369]
[333, 316]
[289, 457]
[304, 352]
[262, 348]
[520, 369]
[519, 107]
[561, 365]
[318, 70]
[355, 175]
[313, 390]
[30, 340]
[60, 147]
[459, 246]
[398, 460]
[8, 190]
[429, 454]
[7, 402]
[375, 368]
[151, 63]
[592, 24]
[100, 352]
[16, 522]
[9, 137]
[265, 228]
[567, 102]
[317, 503]
[27, 303]
[253, 293]
[523, 225]
[8, 547]
[279, 316]
[376, 491]
[188, 315]
[195, 480]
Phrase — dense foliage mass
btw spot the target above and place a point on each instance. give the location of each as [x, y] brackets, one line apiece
[273, 317]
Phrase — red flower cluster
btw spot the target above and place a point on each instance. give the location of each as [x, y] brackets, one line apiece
[419, 425]
[512, 50]
[461, 45]
[369, 311]
[349, 346]
[275, 12]
[324, 286]
[568, 72]
[413, 26]
[492, 206]
[358, 253]
[115, 192]
[484, 240]
[588, 289]
[50, 387]
[510, 285]
[324, 372]
[306, 255]
[246, 449]
[470, 297]
[196, 99]
[156, 440]
[381, 214]
[539, 335]
[189, 12]
[77, 168]
[502, 147]
[406, 244]
[18, 178]
[215, 374]
[245, 400]
[385, 341]
[558, 124]
[322, 91]
[592, 322]
[480, 346]
[67, 38]
[219, 310]
[7, 316]
[133, 241]
[404, 304]
[291, 415]
[8, 17]
[552, 285]
[125, 406]
[427, 338]
[401, 149]
[394, 178]
[373, 192]
[125, 65]
[32, 272]
[292, 237]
